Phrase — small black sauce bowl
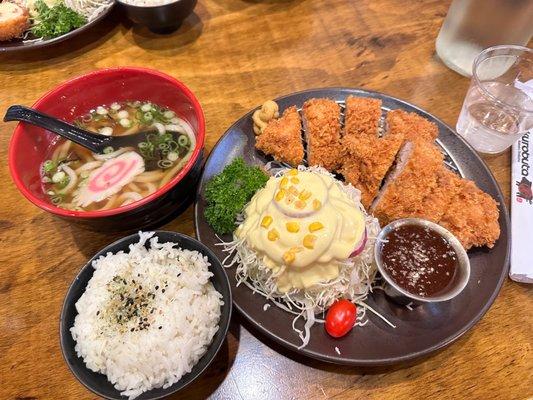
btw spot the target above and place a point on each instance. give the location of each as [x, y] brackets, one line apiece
[402, 296]
[160, 19]
[98, 383]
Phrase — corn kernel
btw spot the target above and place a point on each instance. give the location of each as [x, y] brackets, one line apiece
[304, 195]
[295, 180]
[267, 220]
[292, 172]
[316, 204]
[289, 257]
[300, 205]
[309, 241]
[284, 182]
[280, 195]
[293, 191]
[315, 226]
[292, 227]
[273, 235]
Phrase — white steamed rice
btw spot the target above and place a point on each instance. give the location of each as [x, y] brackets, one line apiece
[182, 315]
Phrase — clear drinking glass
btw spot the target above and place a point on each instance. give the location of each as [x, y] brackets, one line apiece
[498, 107]
[473, 25]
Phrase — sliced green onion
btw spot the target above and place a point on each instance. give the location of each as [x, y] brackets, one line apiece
[169, 114]
[183, 140]
[164, 164]
[142, 145]
[58, 176]
[172, 156]
[126, 123]
[146, 107]
[108, 150]
[148, 116]
[49, 166]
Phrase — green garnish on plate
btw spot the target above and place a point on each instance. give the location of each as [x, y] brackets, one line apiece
[228, 192]
[55, 21]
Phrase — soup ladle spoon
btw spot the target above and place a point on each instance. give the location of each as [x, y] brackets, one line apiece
[93, 141]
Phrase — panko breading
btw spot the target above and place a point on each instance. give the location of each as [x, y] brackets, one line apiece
[412, 126]
[14, 20]
[323, 132]
[361, 116]
[434, 205]
[366, 161]
[414, 176]
[282, 138]
[472, 216]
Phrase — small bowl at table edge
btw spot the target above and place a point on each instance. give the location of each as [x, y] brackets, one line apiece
[97, 382]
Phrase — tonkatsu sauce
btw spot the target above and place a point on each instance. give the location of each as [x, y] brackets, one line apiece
[419, 259]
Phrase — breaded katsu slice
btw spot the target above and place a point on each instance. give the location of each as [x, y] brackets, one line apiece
[472, 216]
[14, 20]
[361, 116]
[366, 161]
[412, 126]
[408, 183]
[434, 205]
[282, 138]
[321, 118]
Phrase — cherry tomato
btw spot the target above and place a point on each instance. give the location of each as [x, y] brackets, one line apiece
[340, 318]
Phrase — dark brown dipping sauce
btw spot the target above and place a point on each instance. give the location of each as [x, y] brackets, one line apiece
[419, 259]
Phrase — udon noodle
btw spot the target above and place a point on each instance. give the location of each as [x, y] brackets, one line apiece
[75, 178]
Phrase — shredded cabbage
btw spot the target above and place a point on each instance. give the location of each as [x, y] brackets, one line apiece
[355, 280]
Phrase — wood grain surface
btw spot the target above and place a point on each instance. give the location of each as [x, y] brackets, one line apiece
[234, 54]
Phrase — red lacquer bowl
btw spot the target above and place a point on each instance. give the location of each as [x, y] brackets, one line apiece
[29, 144]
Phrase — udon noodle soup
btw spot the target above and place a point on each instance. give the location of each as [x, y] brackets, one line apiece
[74, 178]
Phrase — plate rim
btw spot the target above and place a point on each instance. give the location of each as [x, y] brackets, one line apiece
[413, 356]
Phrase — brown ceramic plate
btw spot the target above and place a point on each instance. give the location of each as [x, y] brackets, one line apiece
[24, 45]
[418, 333]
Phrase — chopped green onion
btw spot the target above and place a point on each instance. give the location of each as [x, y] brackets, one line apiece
[58, 177]
[164, 164]
[169, 114]
[172, 156]
[146, 107]
[183, 140]
[108, 150]
[49, 166]
[148, 116]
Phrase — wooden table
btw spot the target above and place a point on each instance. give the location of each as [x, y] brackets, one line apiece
[234, 54]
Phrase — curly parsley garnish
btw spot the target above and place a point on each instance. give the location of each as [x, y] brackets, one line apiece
[228, 192]
[55, 21]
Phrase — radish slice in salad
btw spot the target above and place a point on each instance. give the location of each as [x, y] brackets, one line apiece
[110, 178]
[360, 246]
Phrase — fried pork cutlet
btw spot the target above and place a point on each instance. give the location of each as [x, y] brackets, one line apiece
[366, 161]
[361, 116]
[409, 182]
[322, 127]
[472, 216]
[14, 20]
[414, 127]
[434, 205]
[282, 138]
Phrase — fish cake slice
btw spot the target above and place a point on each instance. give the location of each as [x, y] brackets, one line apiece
[322, 128]
[361, 116]
[408, 183]
[282, 138]
[472, 216]
[366, 161]
[414, 127]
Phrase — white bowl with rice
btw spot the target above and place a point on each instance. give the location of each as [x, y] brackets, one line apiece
[145, 316]
[160, 16]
